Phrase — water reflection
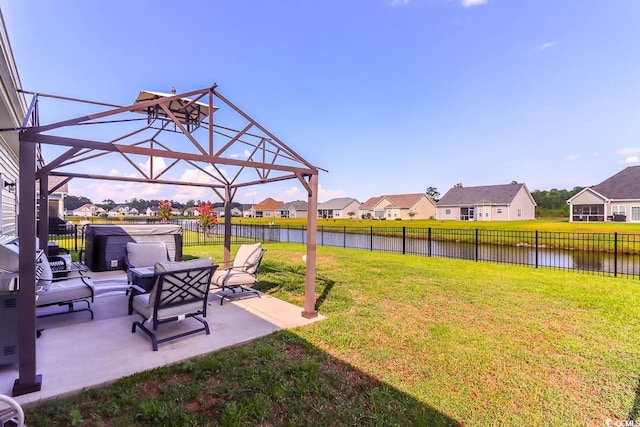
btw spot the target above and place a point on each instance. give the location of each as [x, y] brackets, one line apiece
[394, 242]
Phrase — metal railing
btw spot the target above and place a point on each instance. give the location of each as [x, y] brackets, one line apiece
[615, 254]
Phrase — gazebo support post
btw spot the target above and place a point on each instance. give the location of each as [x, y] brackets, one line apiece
[310, 275]
[28, 381]
[227, 225]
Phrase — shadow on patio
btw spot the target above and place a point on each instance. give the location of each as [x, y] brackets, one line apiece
[74, 352]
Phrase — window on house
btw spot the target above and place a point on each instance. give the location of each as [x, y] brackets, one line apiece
[499, 210]
[618, 210]
[519, 212]
[447, 211]
[635, 213]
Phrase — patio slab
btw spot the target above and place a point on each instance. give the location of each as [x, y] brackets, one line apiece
[75, 352]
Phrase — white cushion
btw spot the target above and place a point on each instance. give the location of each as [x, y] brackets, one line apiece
[46, 276]
[247, 257]
[146, 254]
[66, 290]
[232, 278]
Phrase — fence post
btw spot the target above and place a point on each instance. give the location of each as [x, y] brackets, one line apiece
[371, 236]
[476, 245]
[537, 248]
[344, 236]
[429, 241]
[404, 240]
[75, 237]
[615, 254]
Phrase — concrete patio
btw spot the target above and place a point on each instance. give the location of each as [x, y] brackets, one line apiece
[75, 352]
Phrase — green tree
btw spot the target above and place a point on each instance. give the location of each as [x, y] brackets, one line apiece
[432, 193]
[107, 204]
[74, 202]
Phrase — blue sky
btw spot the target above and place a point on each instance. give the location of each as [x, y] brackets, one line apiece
[390, 96]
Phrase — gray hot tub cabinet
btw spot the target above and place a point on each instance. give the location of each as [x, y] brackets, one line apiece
[105, 245]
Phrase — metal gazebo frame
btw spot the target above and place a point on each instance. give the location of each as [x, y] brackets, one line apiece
[189, 118]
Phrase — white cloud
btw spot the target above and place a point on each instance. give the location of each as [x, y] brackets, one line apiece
[395, 3]
[629, 150]
[630, 159]
[246, 154]
[292, 191]
[325, 194]
[249, 196]
[118, 191]
[545, 46]
[196, 175]
[116, 172]
[158, 165]
[471, 3]
[573, 156]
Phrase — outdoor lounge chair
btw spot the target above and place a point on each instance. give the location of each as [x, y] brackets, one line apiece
[140, 255]
[180, 291]
[241, 273]
[62, 291]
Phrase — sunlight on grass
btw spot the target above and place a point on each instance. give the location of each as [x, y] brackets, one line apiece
[408, 340]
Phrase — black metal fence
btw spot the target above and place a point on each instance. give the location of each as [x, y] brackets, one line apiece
[613, 254]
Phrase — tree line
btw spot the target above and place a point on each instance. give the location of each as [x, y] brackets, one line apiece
[74, 202]
[554, 202]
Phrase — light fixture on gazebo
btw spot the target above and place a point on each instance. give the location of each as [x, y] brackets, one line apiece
[189, 112]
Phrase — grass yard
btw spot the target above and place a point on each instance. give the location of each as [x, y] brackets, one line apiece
[562, 225]
[407, 341]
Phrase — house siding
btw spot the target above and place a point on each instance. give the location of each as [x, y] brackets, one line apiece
[588, 198]
[8, 203]
[425, 208]
[12, 112]
[496, 203]
[522, 202]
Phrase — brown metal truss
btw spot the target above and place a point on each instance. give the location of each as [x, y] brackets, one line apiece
[154, 135]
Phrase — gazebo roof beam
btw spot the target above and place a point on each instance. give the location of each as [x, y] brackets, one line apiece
[133, 179]
[117, 110]
[262, 128]
[56, 140]
[285, 156]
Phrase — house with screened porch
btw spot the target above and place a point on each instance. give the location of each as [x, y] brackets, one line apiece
[617, 198]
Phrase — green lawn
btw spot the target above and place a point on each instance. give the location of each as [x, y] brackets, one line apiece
[407, 341]
[530, 225]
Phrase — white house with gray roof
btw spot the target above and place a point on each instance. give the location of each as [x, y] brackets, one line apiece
[508, 202]
[615, 199]
[339, 208]
[296, 209]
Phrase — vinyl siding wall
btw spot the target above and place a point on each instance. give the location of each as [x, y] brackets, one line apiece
[8, 202]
